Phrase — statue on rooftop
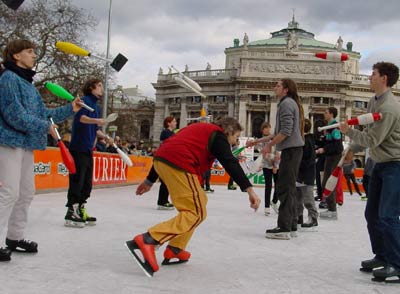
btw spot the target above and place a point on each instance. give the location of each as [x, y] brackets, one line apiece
[292, 41]
[245, 40]
[339, 44]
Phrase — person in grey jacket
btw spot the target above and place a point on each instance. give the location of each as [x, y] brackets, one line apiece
[289, 139]
[24, 124]
[382, 211]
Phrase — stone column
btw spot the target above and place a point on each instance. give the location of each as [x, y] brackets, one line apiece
[348, 108]
[183, 122]
[272, 114]
[231, 106]
[336, 104]
[166, 108]
[159, 115]
[248, 130]
[306, 105]
[242, 113]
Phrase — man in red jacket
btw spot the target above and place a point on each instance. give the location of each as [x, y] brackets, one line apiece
[180, 162]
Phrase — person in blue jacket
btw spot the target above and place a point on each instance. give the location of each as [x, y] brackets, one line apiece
[24, 125]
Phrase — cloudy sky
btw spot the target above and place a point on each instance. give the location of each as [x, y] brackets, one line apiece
[160, 33]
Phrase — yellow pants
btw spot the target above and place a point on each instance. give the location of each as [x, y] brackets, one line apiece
[188, 198]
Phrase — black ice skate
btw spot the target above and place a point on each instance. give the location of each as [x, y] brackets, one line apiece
[89, 220]
[388, 274]
[73, 219]
[311, 226]
[5, 254]
[369, 265]
[278, 233]
[23, 245]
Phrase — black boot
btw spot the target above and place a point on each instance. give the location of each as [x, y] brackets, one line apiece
[5, 254]
[370, 264]
[310, 226]
[300, 220]
[323, 205]
[380, 275]
[22, 245]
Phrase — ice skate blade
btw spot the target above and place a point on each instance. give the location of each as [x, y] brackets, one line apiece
[90, 224]
[22, 251]
[145, 266]
[160, 207]
[310, 229]
[279, 236]
[391, 280]
[72, 224]
[168, 262]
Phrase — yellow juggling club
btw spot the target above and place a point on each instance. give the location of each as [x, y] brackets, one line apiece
[70, 48]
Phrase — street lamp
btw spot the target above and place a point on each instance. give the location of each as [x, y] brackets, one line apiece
[118, 62]
[105, 98]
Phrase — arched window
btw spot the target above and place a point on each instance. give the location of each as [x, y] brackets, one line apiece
[256, 125]
[145, 129]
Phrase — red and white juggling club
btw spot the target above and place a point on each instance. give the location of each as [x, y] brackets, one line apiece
[328, 56]
[334, 177]
[364, 119]
[332, 56]
[125, 158]
[65, 155]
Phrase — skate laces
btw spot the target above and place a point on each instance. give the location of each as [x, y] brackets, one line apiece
[83, 213]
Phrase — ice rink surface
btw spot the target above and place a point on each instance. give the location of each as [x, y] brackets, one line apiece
[230, 253]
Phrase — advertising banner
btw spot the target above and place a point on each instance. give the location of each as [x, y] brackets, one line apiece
[108, 169]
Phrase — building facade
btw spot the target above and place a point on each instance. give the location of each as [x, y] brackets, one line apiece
[244, 88]
[135, 114]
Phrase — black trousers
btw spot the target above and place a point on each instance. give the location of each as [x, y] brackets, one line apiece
[331, 162]
[319, 167]
[366, 184]
[206, 178]
[353, 179]
[286, 187]
[268, 175]
[80, 183]
[162, 194]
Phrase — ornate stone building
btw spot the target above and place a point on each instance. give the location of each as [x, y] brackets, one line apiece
[136, 113]
[244, 88]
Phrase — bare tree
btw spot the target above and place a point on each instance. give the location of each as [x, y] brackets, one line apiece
[44, 22]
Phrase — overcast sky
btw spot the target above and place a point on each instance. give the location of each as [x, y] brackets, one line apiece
[160, 33]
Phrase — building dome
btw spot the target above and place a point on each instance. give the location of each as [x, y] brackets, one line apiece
[304, 39]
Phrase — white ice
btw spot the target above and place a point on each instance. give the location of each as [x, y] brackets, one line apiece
[230, 253]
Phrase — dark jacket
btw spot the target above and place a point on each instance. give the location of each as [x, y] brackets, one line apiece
[307, 165]
[333, 141]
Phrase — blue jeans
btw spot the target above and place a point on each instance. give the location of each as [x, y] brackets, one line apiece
[383, 212]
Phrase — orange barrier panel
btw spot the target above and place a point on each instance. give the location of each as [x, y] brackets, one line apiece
[220, 177]
[358, 173]
[108, 169]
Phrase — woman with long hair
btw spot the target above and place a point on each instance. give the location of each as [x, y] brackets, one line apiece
[289, 139]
